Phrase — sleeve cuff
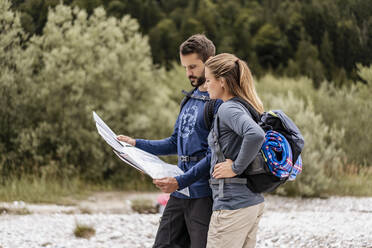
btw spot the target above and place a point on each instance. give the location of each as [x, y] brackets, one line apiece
[235, 170]
[140, 143]
[181, 184]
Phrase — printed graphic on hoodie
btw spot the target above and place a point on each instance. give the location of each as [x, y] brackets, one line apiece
[187, 121]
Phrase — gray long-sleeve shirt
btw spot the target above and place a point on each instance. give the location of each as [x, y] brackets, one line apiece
[240, 139]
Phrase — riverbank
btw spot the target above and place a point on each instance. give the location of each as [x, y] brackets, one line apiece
[287, 222]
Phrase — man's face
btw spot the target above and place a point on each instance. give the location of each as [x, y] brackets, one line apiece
[194, 68]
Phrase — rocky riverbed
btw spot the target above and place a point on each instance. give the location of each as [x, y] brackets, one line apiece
[287, 222]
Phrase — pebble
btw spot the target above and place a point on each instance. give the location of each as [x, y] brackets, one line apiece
[287, 222]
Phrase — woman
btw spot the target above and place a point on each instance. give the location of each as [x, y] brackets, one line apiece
[235, 141]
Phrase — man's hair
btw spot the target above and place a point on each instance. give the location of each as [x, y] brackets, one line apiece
[199, 44]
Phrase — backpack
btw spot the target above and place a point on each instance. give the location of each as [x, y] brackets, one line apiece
[259, 177]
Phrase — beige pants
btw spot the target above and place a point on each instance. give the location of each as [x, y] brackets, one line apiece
[234, 228]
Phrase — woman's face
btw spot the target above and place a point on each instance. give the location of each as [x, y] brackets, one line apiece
[214, 85]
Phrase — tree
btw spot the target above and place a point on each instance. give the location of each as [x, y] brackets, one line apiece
[270, 45]
[265, 32]
[326, 56]
[15, 70]
[164, 38]
[307, 63]
[77, 66]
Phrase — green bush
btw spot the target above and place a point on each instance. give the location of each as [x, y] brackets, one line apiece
[321, 154]
[347, 108]
[51, 83]
[49, 89]
[335, 123]
[350, 108]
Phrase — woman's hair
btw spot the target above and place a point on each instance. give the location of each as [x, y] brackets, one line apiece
[238, 77]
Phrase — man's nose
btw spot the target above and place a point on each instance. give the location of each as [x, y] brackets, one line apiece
[189, 72]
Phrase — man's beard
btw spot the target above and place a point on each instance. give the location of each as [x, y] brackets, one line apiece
[197, 81]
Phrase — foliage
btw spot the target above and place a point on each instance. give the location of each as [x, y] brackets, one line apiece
[321, 155]
[78, 65]
[272, 35]
[86, 60]
[335, 123]
[349, 108]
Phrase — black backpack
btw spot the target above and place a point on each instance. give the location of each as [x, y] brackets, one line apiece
[258, 175]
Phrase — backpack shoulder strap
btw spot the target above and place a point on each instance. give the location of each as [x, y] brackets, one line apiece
[255, 115]
[191, 94]
[186, 98]
[209, 113]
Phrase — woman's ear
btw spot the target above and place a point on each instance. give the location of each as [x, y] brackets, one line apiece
[222, 83]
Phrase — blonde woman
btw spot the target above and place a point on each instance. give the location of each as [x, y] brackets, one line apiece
[235, 140]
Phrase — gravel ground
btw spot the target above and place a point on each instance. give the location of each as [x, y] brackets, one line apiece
[287, 222]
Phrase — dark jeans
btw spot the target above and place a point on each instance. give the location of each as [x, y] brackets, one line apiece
[184, 223]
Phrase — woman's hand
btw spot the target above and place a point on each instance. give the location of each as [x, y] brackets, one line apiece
[224, 169]
[127, 139]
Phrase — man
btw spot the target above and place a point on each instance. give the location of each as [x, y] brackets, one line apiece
[185, 219]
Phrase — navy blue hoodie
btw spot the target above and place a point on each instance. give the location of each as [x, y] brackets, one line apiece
[189, 138]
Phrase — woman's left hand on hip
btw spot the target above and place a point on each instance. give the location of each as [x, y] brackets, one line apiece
[224, 169]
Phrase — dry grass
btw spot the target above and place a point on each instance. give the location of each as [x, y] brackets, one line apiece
[14, 211]
[144, 206]
[68, 212]
[41, 190]
[84, 231]
[85, 211]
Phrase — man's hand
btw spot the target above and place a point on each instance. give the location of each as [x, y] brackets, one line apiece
[167, 184]
[223, 170]
[127, 139]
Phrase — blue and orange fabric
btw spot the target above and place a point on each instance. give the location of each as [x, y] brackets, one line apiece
[278, 156]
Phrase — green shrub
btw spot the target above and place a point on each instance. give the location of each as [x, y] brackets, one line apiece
[347, 108]
[51, 83]
[49, 89]
[321, 154]
[350, 108]
[335, 123]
